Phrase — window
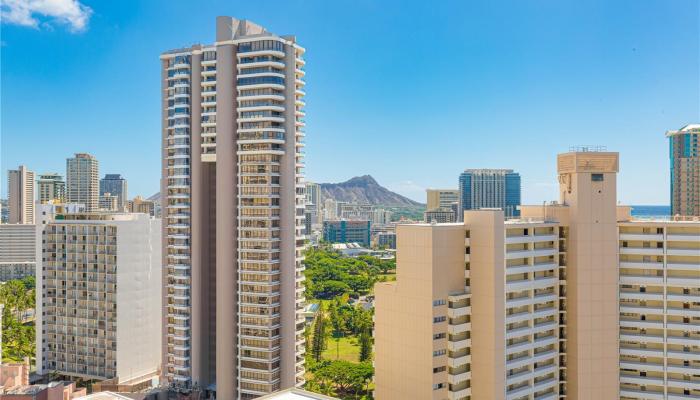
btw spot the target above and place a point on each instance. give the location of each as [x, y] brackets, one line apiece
[439, 336]
[440, 302]
[439, 319]
[597, 177]
[438, 386]
[439, 369]
[438, 353]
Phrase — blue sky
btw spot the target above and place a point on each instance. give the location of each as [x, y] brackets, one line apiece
[409, 92]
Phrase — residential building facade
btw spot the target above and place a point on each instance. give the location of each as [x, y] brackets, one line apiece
[441, 198]
[353, 211]
[386, 240]
[343, 231]
[141, 205]
[381, 216]
[99, 303]
[82, 181]
[109, 202]
[21, 195]
[314, 202]
[17, 251]
[504, 308]
[439, 215]
[233, 199]
[490, 188]
[115, 185]
[51, 187]
[684, 154]
[659, 285]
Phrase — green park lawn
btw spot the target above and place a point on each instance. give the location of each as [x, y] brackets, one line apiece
[347, 349]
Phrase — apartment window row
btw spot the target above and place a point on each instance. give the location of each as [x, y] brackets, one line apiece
[260, 80]
[179, 60]
[248, 60]
[209, 55]
[261, 45]
[439, 319]
[440, 302]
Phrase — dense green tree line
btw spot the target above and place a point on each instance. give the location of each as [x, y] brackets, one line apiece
[18, 297]
[329, 274]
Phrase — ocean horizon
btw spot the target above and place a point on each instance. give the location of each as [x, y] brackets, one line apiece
[651, 210]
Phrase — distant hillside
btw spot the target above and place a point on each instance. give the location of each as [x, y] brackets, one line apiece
[365, 190]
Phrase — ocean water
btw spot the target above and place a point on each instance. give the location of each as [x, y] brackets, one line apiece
[651, 211]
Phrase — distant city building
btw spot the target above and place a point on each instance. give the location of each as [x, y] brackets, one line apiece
[441, 198]
[490, 188]
[99, 310]
[313, 198]
[439, 215]
[21, 196]
[115, 185]
[232, 193]
[684, 152]
[386, 240]
[17, 251]
[309, 216]
[109, 202]
[51, 187]
[354, 211]
[330, 209]
[457, 210]
[82, 181]
[14, 385]
[381, 216]
[345, 231]
[141, 205]
[4, 211]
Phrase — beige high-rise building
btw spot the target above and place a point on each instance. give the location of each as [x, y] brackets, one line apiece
[141, 205]
[82, 181]
[109, 202]
[233, 201]
[21, 195]
[51, 187]
[659, 284]
[543, 299]
[99, 304]
[441, 198]
[684, 154]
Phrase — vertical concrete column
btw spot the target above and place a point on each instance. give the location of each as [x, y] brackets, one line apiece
[164, 226]
[226, 222]
[288, 228]
[197, 348]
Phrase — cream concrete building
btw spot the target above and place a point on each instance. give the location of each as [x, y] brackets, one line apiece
[233, 200]
[543, 295]
[17, 251]
[20, 195]
[141, 205]
[441, 198]
[99, 303]
[82, 181]
[659, 309]
[109, 202]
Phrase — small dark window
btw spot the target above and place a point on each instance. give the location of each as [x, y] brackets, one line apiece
[597, 177]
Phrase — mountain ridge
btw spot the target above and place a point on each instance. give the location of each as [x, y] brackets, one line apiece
[365, 189]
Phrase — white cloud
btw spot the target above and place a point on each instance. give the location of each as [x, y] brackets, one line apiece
[28, 13]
